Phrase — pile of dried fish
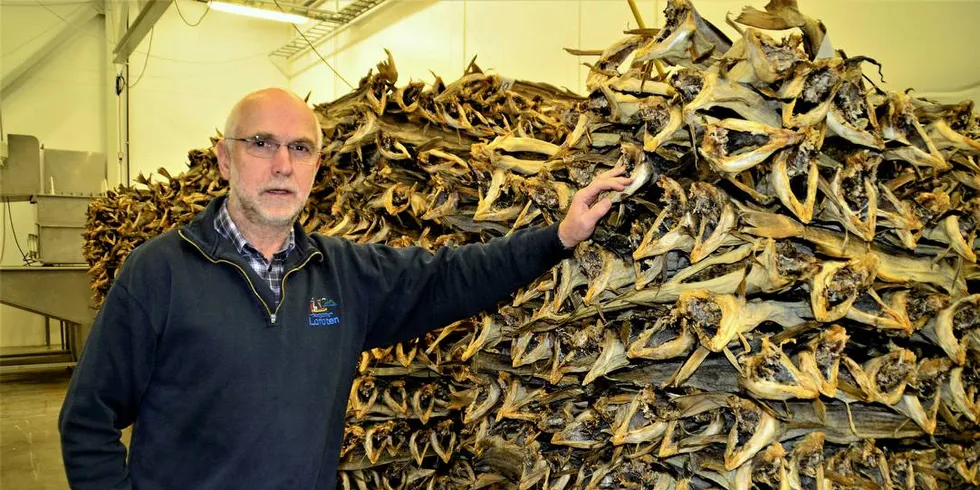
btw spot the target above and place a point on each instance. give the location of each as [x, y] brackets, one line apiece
[786, 297]
[129, 215]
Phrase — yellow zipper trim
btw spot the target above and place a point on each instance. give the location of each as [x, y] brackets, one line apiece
[272, 316]
[282, 287]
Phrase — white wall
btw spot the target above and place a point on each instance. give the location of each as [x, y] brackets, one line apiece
[923, 44]
[61, 103]
[194, 76]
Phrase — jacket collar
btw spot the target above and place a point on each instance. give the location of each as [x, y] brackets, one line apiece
[201, 231]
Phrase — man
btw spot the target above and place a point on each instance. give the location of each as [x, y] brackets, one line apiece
[230, 344]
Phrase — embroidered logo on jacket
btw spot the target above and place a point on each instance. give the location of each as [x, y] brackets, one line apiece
[321, 314]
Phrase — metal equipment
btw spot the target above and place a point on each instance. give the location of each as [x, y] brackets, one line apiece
[61, 183]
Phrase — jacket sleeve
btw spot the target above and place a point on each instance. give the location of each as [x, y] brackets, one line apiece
[416, 291]
[104, 394]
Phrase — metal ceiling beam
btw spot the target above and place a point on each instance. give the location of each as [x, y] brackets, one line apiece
[149, 15]
[19, 75]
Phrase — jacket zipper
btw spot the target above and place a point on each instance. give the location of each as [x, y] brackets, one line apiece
[282, 286]
[282, 297]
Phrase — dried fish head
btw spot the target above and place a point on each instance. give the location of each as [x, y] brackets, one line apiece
[862, 465]
[707, 313]
[612, 356]
[575, 350]
[633, 473]
[852, 114]
[610, 60]
[638, 167]
[531, 347]
[353, 439]
[693, 432]
[835, 288]
[902, 470]
[794, 172]
[952, 126]
[809, 94]
[901, 125]
[490, 334]
[500, 201]
[718, 319]
[820, 359]
[573, 274]
[884, 310]
[735, 145]
[517, 396]
[852, 382]
[889, 374]
[482, 398]
[391, 148]
[547, 193]
[407, 97]
[771, 375]
[661, 121]
[395, 397]
[614, 273]
[364, 394]
[852, 194]
[960, 230]
[428, 400]
[769, 467]
[667, 337]
[754, 429]
[701, 91]
[761, 60]
[440, 203]
[686, 38]
[785, 14]
[712, 217]
[584, 432]
[950, 328]
[806, 469]
[385, 438]
[922, 399]
[673, 217]
[781, 265]
[639, 421]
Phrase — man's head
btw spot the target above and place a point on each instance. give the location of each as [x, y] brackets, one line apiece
[269, 188]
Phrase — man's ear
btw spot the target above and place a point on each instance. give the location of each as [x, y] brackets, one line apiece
[224, 159]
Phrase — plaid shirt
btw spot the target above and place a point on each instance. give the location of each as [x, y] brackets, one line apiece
[271, 271]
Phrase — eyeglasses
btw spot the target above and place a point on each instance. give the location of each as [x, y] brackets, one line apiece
[263, 147]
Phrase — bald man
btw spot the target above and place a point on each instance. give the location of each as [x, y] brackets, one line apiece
[230, 344]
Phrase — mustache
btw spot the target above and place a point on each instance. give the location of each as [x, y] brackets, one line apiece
[281, 187]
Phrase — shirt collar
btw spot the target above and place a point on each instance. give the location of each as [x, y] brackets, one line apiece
[227, 228]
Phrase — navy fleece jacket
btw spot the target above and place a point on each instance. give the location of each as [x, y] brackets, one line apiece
[226, 390]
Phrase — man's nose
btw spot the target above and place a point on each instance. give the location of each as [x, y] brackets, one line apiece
[282, 162]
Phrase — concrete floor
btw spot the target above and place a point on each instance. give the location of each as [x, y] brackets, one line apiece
[30, 448]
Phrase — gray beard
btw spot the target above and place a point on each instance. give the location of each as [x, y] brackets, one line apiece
[253, 215]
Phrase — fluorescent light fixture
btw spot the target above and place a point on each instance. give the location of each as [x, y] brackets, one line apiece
[259, 13]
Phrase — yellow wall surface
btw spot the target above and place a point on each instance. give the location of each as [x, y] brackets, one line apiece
[923, 44]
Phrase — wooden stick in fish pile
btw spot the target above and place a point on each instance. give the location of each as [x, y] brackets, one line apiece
[786, 296]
